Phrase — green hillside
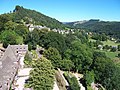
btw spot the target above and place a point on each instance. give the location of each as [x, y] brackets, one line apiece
[95, 25]
[23, 15]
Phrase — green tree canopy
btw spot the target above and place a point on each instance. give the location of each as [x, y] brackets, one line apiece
[21, 30]
[55, 40]
[10, 25]
[66, 64]
[10, 37]
[106, 72]
[53, 55]
[89, 77]
[80, 55]
[118, 47]
[42, 75]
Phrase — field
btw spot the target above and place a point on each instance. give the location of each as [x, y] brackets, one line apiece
[108, 42]
[112, 55]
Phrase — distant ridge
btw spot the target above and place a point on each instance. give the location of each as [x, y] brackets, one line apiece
[111, 28]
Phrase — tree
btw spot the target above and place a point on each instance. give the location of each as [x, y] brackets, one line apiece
[118, 47]
[4, 18]
[73, 83]
[111, 78]
[115, 80]
[53, 55]
[21, 30]
[106, 72]
[80, 55]
[10, 25]
[66, 64]
[32, 38]
[10, 37]
[106, 47]
[42, 75]
[113, 49]
[119, 55]
[82, 36]
[55, 40]
[89, 77]
[28, 59]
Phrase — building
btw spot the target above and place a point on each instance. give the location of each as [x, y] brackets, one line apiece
[32, 27]
[9, 64]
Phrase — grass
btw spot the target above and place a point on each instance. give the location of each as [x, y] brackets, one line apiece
[92, 40]
[109, 54]
[112, 55]
[89, 88]
[108, 42]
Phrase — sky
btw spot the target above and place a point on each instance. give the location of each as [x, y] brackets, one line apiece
[69, 10]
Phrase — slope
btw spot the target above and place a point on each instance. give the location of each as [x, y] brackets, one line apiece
[95, 25]
[23, 15]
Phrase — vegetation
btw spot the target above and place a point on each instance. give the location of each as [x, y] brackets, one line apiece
[103, 67]
[53, 55]
[28, 60]
[42, 75]
[97, 26]
[31, 16]
[70, 52]
[73, 83]
[80, 55]
[89, 77]
[10, 37]
[53, 39]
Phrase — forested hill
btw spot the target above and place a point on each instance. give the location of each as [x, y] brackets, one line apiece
[23, 15]
[95, 25]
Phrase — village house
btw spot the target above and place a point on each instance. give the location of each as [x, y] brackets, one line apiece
[10, 61]
[32, 27]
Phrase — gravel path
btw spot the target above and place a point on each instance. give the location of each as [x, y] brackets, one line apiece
[55, 86]
[78, 76]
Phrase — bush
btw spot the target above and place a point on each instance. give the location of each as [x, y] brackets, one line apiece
[72, 82]
[119, 55]
[113, 49]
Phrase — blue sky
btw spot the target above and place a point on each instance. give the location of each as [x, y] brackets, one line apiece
[69, 10]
